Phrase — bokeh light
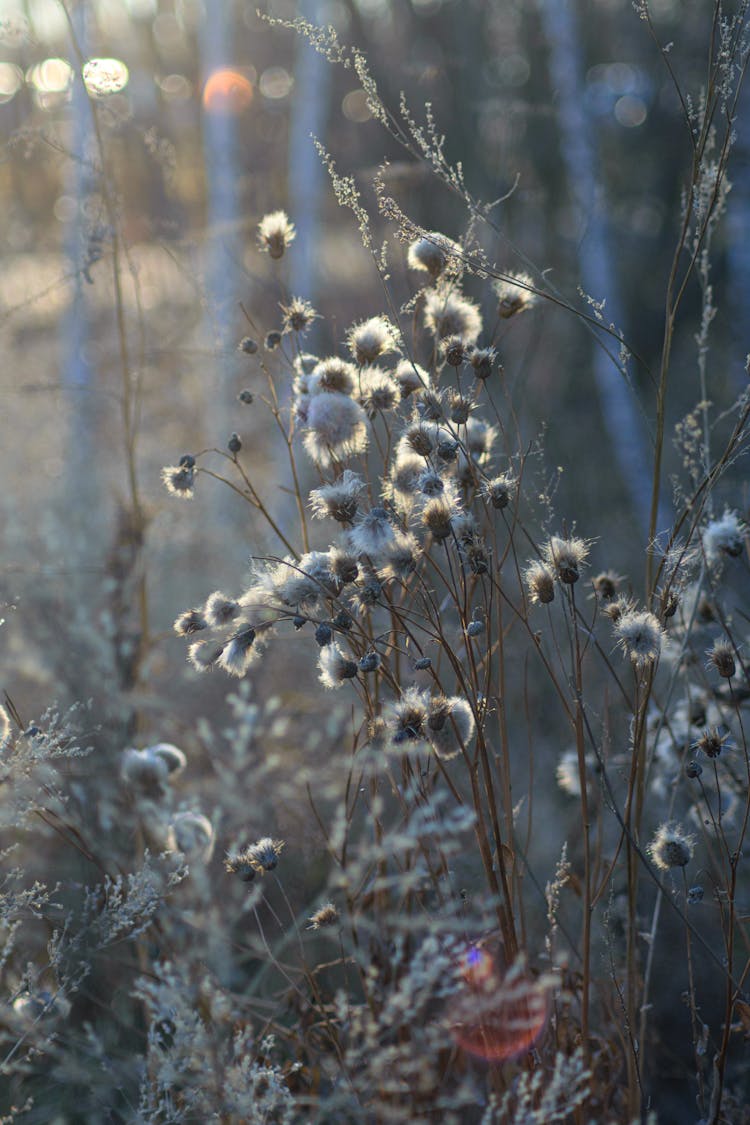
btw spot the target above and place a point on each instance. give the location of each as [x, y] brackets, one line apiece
[11, 81]
[227, 91]
[105, 76]
[499, 1015]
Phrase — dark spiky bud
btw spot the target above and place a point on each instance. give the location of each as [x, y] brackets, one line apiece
[246, 397]
[695, 895]
[298, 621]
[475, 628]
[234, 445]
[343, 621]
[370, 662]
[323, 634]
[460, 409]
[273, 339]
[712, 742]
[422, 664]
[481, 360]
[693, 770]
[248, 345]
[454, 350]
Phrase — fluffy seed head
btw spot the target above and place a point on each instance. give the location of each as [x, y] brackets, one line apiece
[275, 233]
[425, 255]
[239, 863]
[324, 916]
[450, 725]
[406, 719]
[671, 847]
[298, 315]
[204, 655]
[334, 668]
[640, 636]
[410, 377]
[540, 582]
[371, 339]
[338, 500]
[189, 622]
[238, 653]
[378, 391]
[372, 533]
[514, 294]
[447, 313]
[220, 609]
[332, 374]
[565, 557]
[179, 480]
[725, 536]
[336, 428]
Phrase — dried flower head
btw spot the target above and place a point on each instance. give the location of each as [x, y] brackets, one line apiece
[540, 582]
[640, 636]
[500, 490]
[371, 339]
[264, 855]
[275, 233]
[671, 847]
[448, 313]
[437, 515]
[482, 361]
[721, 657]
[239, 863]
[325, 916]
[515, 294]
[566, 557]
[453, 350]
[298, 315]
[338, 500]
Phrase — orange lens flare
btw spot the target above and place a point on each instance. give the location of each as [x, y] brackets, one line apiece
[227, 91]
[498, 1017]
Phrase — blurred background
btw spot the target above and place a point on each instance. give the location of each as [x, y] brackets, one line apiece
[204, 113]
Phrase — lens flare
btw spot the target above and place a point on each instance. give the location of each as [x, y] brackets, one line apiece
[227, 91]
[498, 1017]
